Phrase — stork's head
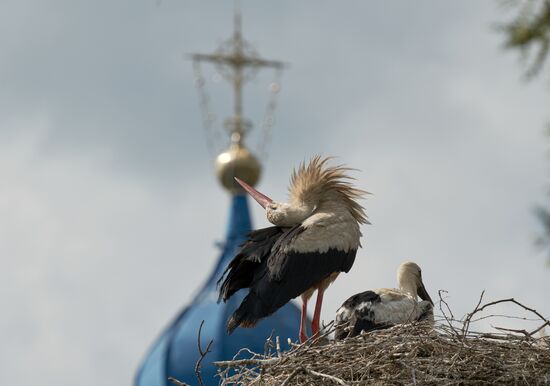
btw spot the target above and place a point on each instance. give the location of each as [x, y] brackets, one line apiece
[409, 277]
[313, 187]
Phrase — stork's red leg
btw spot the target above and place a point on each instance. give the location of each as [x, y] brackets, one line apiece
[303, 319]
[317, 314]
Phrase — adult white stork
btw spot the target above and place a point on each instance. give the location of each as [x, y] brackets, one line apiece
[315, 237]
[386, 307]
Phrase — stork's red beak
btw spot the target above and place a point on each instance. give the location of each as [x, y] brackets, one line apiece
[261, 198]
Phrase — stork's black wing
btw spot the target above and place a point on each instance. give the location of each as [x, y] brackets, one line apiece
[253, 251]
[284, 275]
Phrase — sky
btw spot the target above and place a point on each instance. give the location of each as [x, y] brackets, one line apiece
[109, 207]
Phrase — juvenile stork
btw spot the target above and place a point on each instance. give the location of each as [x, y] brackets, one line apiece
[315, 237]
[385, 307]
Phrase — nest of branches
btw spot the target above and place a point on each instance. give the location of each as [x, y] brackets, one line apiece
[449, 353]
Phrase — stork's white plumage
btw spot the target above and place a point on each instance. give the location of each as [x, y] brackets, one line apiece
[386, 307]
[315, 237]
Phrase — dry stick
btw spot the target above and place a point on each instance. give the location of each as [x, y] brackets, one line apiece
[494, 336]
[332, 378]
[254, 355]
[505, 317]
[524, 332]
[292, 375]
[527, 335]
[512, 300]
[316, 338]
[246, 362]
[202, 355]
[477, 309]
[546, 322]
[446, 304]
[176, 382]
[310, 342]
[268, 344]
[278, 346]
[199, 361]
[447, 319]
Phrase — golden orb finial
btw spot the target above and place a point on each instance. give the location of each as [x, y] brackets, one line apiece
[239, 162]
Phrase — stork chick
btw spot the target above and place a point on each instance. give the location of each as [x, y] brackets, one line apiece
[315, 237]
[386, 307]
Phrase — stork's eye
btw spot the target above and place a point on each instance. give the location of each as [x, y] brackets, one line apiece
[272, 206]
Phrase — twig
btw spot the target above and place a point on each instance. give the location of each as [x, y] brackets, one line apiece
[202, 355]
[449, 321]
[268, 344]
[503, 316]
[176, 382]
[547, 323]
[524, 332]
[512, 300]
[316, 338]
[332, 378]
[246, 362]
[199, 361]
[468, 319]
[494, 336]
[292, 375]
[252, 353]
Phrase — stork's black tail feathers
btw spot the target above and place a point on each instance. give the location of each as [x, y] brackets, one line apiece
[240, 271]
[253, 308]
[242, 317]
[256, 306]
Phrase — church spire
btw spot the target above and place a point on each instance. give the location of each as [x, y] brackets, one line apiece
[237, 62]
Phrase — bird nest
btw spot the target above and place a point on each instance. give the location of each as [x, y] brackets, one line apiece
[449, 353]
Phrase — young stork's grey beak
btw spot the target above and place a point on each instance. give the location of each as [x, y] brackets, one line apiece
[261, 198]
[423, 294]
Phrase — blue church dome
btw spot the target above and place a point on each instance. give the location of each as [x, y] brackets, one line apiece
[175, 353]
